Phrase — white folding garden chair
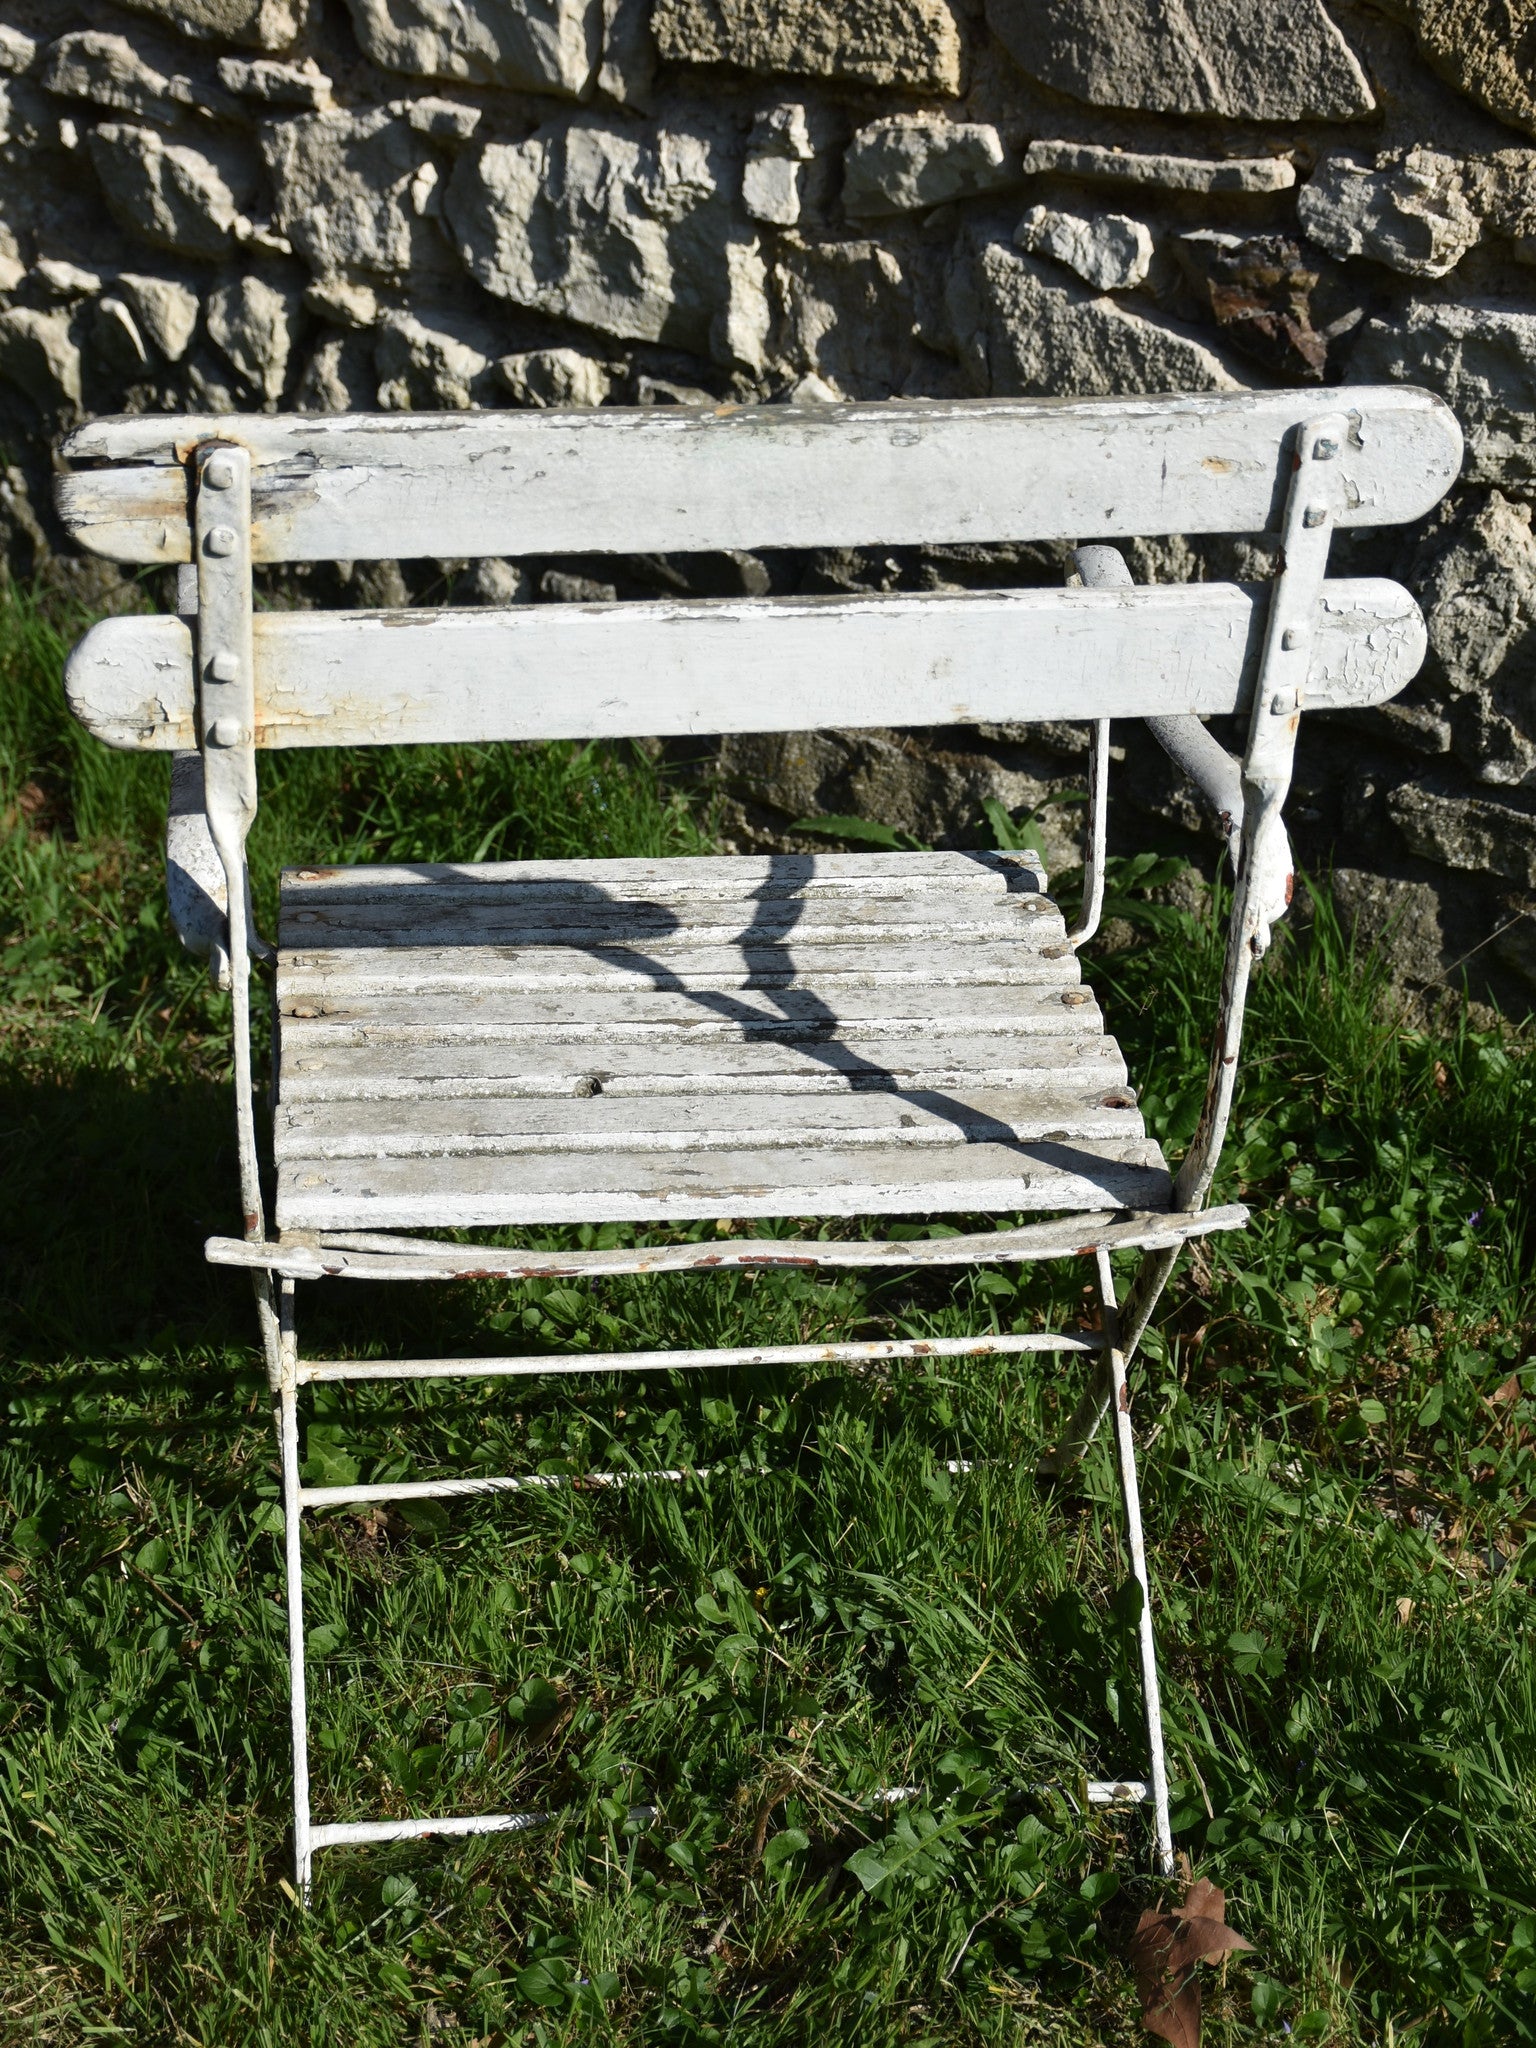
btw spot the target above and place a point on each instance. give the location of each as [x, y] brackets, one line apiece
[837, 1035]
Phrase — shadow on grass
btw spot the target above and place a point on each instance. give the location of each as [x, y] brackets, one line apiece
[115, 1185]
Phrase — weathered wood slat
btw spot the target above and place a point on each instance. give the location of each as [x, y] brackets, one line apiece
[640, 1014]
[702, 1122]
[417, 918]
[405, 1073]
[627, 1186]
[312, 979]
[688, 478]
[739, 878]
[362, 1255]
[553, 671]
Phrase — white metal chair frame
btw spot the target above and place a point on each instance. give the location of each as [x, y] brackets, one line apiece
[183, 489]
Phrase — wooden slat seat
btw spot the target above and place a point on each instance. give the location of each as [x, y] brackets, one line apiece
[540, 1042]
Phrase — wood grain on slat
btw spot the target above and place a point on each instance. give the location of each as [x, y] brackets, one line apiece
[623, 1186]
[570, 671]
[582, 1015]
[738, 877]
[704, 1122]
[476, 972]
[608, 921]
[686, 478]
[316, 1072]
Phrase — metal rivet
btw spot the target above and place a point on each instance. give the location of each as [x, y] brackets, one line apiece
[1283, 703]
[226, 732]
[1324, 448]
[1314, 515]
[225, 667]
[219, 473]
[1074, 997]
[1291, 638]
[220, 540]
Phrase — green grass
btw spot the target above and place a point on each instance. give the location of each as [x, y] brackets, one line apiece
[1337, 1416]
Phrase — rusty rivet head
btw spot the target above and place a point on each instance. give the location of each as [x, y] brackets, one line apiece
[1074, 998]
[1324, 448]
[220, 540]
[225, 667]
[219, 473]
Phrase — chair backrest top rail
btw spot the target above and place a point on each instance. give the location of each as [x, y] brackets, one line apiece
[678, 666]
[689, 479]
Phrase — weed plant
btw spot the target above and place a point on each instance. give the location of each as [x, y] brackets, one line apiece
[706, 1686]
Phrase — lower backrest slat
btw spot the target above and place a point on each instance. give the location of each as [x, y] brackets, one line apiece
[571, 671]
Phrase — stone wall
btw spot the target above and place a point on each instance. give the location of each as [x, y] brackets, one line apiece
[333, 204]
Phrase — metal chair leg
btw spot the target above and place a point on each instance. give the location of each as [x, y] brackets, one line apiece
[1083, 1425]
[293, 1569]
[1130, 1494]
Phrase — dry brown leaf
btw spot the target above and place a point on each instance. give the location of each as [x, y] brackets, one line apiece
[1163, 1953]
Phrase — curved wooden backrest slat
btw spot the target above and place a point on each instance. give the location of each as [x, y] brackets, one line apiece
[682, 478]
[554, 671]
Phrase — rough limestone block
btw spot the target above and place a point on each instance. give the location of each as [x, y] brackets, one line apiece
[1480, 356]
[627, 73]
[353, 306]
[629, 232]
[1484, 47]
[446, 121]
[1501, 190]
[847, 312]
[343, 184]
[1111, 251]
[555, 376]
[1403, 921]
[1409, 213]
[770, 189]
[1478, 591]
[529, 45]
[425, 366]
[770, 180]
[61, 279]
[1165, 173]
[251, 324]
[1480, 833]
[1025, 331]
[275, 85]
[168, 192]
[18, 52]
[109, 72]
[37, 354]
[254, 24]
[906, 162]
[1248, 60]
[165, 310]
[874, 42]
[12, 267]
